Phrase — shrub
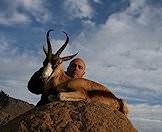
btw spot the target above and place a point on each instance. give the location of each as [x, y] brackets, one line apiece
[4, 99]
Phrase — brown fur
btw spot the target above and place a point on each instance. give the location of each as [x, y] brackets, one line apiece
[90, 90]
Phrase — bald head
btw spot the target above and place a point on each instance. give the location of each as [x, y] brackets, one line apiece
[76, 68]
[79, 60]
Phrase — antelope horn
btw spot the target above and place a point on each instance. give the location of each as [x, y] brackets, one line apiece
[45, 50]
[63, 46]
[49, 54]
[69, 57]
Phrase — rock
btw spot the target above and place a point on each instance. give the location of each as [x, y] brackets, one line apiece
[70, 117]
[13, 108]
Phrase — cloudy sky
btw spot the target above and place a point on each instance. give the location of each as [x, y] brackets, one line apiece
[119, 39]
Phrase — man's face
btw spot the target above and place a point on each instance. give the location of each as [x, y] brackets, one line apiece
[76, 69]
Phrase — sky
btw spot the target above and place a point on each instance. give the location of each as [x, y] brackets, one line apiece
[120, 41]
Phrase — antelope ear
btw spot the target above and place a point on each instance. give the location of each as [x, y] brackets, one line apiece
[69, 57]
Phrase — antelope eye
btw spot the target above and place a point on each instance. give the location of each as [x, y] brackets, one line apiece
[53, 61]
[45, 62]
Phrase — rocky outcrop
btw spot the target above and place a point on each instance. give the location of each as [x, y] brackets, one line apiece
[11, 108]
[62, 116]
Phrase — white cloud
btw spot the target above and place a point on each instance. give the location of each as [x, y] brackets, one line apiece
[36, 8]
[146, 118]
[16, 18]
[78, 9]
[126, 51]
[15, 70]
[97, 1]
[88, 24]
[22, 11]
[146, 125]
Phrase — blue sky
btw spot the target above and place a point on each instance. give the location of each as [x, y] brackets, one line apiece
[119, 39]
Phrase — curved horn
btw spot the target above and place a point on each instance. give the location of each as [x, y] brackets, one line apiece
[45, 50]
[69, 57]
[63, 46]
[49, 44]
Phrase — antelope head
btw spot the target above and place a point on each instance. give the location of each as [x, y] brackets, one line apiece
[53, 61]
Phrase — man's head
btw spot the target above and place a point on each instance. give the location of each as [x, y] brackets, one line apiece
[76, 68]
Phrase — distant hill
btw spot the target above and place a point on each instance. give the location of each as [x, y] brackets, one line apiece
[65, 116]
[11, 108]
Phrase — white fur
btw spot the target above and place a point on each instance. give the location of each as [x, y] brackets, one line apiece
[47, 71]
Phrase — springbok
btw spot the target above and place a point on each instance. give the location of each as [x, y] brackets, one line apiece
[59, 86]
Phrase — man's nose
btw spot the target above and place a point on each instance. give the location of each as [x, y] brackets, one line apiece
[76, 68]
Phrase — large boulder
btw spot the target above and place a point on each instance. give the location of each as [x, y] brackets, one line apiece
[62, 116]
